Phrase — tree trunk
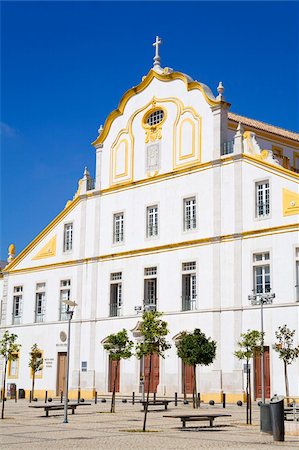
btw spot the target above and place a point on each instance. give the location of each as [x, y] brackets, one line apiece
[33, 381]
[147, 394]
[184, 380]
[195, 397]
[286, 381]
[249, 395]
[112, 410]
[3, 390]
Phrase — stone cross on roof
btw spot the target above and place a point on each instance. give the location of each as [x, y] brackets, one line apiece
[157, 58]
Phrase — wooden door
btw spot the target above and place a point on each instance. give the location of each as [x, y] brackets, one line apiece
[61, 373]
[258, 377]
[187, 378]
[155, 373]
[112, 367]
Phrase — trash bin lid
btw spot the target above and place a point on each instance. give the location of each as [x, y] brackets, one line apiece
[277, 398]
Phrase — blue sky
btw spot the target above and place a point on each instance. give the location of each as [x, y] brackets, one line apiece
[65, 66]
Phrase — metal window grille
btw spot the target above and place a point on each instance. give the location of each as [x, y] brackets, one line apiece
[150, 292]
[189, 291]
[17, 305]
[149, 271]
[115, 299]
[262, 199]
[186, 267]
[152, 221]
[227, 147]
[155, 117]
[190, 214]
[115, 276]
[118, 228]
[65, 294]
[40, 299]
[68, 237]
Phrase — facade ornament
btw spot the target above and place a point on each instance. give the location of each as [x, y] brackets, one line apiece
[220, 90]
[11, 253]
[157, 59]
[100, 129]
[252, 147]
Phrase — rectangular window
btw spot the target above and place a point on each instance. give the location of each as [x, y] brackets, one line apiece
[150, 288]
[17, 304]
[65, 294]
[118, 228]
[115, 294]
[40, 302]
[13, 367]
[189, 213]
[68, 237]
[189, 287]
[262, 196]
[261, 273]
[152, 221]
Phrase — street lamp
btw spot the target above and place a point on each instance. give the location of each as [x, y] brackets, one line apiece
[69, 311]
[261, 299]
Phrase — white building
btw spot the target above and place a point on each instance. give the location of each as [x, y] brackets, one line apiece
[192, 208]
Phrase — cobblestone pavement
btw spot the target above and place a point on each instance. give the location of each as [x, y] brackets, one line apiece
[93, 427]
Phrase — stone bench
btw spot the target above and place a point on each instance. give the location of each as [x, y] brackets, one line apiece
[197, 418]
[58, 406]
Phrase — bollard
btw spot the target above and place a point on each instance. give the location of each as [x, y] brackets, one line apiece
[154, 396]
[16, 396]
[79, 395]
[133, 398]
[223, 400]
[95, 397]
[175, 399]
[198, 398]
[46, 396]
[30, 396]
[61, 396]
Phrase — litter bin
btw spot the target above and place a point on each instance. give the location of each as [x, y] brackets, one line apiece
[265, 418]
[277, 417]
[21, 393]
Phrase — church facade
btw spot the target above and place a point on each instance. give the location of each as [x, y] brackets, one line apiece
[192, 209]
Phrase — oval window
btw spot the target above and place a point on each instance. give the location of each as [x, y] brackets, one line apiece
[155, 117]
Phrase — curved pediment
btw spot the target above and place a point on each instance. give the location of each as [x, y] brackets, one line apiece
[165, 77]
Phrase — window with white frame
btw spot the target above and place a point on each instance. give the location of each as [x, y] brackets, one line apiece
[13, 366]
[40, 302]
[68, 237]
[150, 287]
[152, 221]
[189, 214]
[115, 294]
[261, 273]
[118, 228]
[65, 294]
[262, 199]
[189, 287]
[297, 274]
[17, 304]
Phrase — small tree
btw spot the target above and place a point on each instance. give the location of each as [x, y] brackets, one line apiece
[286, 351]
[36, 363]
[9, 350]
[196, 349]
[153, 331]
[249, 346]
[119, 347]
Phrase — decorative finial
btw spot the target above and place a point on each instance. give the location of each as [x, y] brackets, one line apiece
[11, 253]
[157, 58]
[100, 129]
[220, 90]
[86, 172]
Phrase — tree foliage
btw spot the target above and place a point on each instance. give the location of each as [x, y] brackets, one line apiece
[36, 363]
[9, 350]
[250, 345]
[119, 346]
[285, 344]
[196, 349]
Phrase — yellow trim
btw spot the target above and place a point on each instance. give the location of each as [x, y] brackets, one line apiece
[192, 153]
[290, 202]
[13, 377]
[274, 168]
[47, 250]
[125, 173]
[267, 135]
[193, 85]
[251, 234]
[42, 234]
